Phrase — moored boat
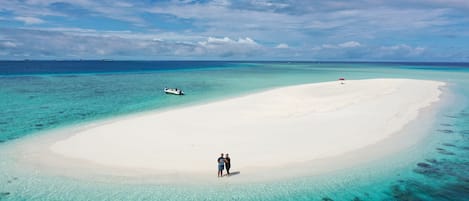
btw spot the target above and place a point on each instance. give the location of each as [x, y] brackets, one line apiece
[174, 91]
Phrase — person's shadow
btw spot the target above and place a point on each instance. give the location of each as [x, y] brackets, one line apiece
[234, 173]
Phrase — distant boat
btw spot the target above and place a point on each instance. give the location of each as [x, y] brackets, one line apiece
[342, 79]
[174, 91]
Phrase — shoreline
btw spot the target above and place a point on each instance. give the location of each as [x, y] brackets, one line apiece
[48, 156]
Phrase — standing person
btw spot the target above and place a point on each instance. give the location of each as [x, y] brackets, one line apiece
[221, 165]
[227, 164]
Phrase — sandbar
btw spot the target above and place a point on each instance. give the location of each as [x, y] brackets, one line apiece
[273, 128]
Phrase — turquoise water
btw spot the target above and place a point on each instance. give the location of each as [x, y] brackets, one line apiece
[436, 169]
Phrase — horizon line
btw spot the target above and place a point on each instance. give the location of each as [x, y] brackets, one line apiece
[235, 60]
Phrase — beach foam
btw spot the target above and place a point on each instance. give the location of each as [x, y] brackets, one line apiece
[267, 129]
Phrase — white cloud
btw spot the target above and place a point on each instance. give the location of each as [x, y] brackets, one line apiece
[350, 44]
[216, 19]
[221, 2]
[212, 42]
[8, 44]
[328, 46]
[269, 4]
[123, 4]
[282, 46]
[29, 20]
[340, 24]
[69, 45]
[316, 48]
[227, 47]
[401, 50]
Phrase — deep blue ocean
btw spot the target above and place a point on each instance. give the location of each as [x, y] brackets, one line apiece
[39, 96]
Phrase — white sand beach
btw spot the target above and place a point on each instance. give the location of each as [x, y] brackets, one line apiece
[271, 129]
[268, 129]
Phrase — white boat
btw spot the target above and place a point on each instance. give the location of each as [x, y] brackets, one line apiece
[175, 91]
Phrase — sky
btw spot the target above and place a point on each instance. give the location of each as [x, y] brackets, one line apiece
[313, 30]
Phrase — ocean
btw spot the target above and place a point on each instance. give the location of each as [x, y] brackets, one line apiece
[40, 96]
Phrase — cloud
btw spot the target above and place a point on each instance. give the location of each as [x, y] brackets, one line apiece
[353, 50]
[212, 42]
[349, 44]
[223, 20]
[26, 43]
[269, 4]
[42, 44]
[123, 4]
[186, 28]
[329, 46]
[227, 47]
[29, 20]
[282, 46]
[8, 44]
[125, 11]
[400, 51]
[55, 44]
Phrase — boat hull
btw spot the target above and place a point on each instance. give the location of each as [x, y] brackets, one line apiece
[173, 91]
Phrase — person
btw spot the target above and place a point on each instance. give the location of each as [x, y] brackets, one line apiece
[221, 165]
[227, 164]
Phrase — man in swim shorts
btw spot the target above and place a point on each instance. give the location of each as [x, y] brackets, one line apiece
[221, 165]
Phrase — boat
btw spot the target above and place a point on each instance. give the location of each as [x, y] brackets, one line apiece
[174, 91]
[342, 80]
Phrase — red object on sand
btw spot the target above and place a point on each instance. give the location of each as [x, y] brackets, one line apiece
[341, 78]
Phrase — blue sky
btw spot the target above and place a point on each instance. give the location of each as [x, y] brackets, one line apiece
[363, 30]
